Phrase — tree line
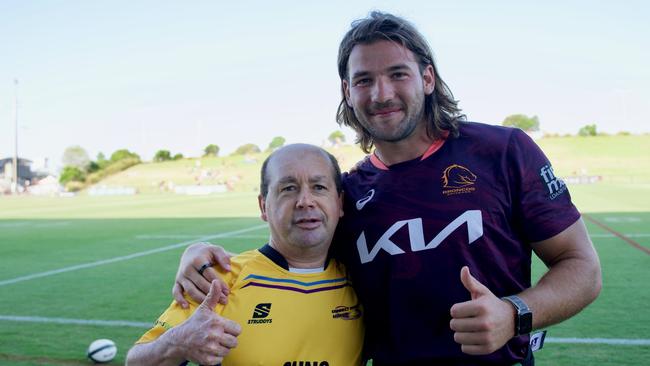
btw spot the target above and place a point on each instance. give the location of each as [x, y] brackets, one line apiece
[79, 170]
[212, 150]
[531, 124]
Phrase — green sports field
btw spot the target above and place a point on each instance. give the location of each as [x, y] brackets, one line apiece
[81, 268]
[135, 289]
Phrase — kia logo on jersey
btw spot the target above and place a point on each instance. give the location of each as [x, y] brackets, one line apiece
[473, 219]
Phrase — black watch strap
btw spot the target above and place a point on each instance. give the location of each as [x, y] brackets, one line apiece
[524, 317]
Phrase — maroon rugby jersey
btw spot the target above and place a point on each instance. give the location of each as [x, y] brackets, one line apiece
[478, 200]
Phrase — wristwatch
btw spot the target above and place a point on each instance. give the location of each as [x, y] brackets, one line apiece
[524, 318]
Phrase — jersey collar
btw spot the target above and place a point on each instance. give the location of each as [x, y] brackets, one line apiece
[277, 258]
[435, 146]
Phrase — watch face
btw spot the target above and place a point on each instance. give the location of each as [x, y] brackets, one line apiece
[525, 322]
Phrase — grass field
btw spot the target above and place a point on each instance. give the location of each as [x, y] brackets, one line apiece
[73, 268]
[86, 230]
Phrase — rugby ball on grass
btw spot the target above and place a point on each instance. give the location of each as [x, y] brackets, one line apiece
[102, 350]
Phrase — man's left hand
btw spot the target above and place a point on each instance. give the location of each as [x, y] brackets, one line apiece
[483, 324]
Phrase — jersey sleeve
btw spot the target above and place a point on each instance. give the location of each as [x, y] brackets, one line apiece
[173, 316]
[541, 201]
[176, 315]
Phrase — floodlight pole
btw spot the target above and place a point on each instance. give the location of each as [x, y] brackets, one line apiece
[14, 186]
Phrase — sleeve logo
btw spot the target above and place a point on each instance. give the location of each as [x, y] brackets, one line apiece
[554, 184]
[457, 179]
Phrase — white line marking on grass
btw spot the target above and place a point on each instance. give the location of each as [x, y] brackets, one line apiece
[51, 224]
[623, 219]
[250, 236]
[127, 257]
[162, 236]
[33, 224]
[610, 341]
[614, 236]
[127, 323]
[14, 224]
[108, 323]
[181, 236]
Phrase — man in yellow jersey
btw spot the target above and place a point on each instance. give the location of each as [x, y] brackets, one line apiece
[294, 304]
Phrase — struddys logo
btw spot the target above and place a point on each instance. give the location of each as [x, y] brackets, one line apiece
[457, 179]
[554, 184]
[347, 312]
[261, 314]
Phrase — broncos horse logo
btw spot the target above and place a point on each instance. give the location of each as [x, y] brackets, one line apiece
[457, 176]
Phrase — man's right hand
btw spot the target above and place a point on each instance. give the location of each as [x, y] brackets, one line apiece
[190, 281]
[206, 337]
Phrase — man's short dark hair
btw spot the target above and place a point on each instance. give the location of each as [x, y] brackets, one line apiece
[440, 107]
[336, 173]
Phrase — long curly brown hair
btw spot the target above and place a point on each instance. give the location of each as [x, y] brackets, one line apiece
[440, 107]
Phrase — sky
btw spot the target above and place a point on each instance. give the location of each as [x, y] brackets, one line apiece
[179, 75]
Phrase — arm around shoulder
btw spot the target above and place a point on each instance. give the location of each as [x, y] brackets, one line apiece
[195, 273]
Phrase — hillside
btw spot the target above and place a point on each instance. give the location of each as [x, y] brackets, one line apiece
[624, 159]
[238, 173]
[617, 159]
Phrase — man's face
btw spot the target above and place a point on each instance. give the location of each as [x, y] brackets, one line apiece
[302, 205]
[386, 90]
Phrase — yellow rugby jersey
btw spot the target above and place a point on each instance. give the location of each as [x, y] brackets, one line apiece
[287, 318]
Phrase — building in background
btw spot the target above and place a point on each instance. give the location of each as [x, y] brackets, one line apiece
[28, 179]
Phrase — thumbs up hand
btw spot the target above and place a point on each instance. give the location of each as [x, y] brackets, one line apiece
[483, 324]
[206, 337]
[212, 298]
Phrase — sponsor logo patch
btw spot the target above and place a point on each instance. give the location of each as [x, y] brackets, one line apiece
[554, 184]
[472, 219]
[537, 341]
[346, 312]
[362, 202]
[163, 324]
[260, 314]
[457, 179]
